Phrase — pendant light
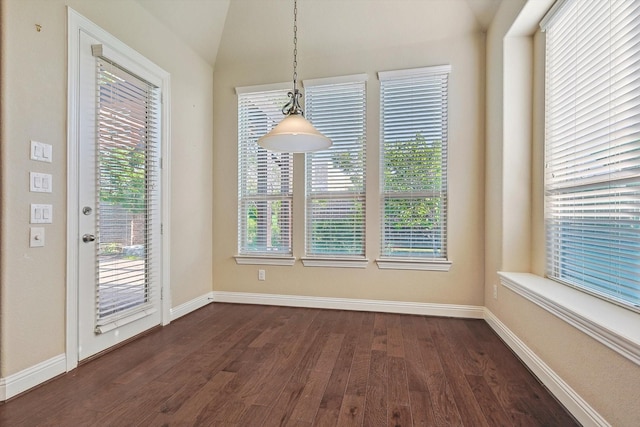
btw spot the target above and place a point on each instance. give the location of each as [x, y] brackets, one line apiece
[294, 134]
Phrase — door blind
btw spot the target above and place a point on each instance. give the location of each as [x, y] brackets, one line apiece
[335, 178]
[128, 144]
[264, 178]
[592, 149]
[414, 134]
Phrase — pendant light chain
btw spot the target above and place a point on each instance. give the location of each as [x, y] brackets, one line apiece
[295, 43]
[293, 106]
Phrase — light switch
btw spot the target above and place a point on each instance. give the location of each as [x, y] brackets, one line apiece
[41, 214]
[36, 237]
[41, 152]
[40, 182]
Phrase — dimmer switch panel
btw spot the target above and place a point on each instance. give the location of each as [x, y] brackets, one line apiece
[41, 152]
[40, 182]
[41, 214]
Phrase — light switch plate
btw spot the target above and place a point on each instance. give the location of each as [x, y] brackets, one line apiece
[41, 214]
[41, 152]
[40, 182]
[36, 237]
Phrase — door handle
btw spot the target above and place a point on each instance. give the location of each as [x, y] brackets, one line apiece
[88, 238]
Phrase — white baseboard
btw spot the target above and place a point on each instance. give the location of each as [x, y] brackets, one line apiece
[571, 400]
[24, 380]
[189, 306]
[425, 309]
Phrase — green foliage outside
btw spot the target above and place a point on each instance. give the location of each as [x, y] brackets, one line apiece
[413, 166]
[277, 241]
[423, 174]
[123, 178]
[351, 164]
[340, 235]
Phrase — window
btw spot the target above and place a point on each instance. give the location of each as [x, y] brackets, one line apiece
[414, 163]
[335, 178]
[265, 178]
[127, 148]
[592, 148]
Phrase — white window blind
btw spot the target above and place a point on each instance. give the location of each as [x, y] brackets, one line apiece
[264, 179]
[414, 162]
[592, 157]
[128, 168]
[335, 178]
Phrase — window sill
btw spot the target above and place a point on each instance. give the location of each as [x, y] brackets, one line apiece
[413, 264]
[335, 262]
[264, 260]
[610, 324]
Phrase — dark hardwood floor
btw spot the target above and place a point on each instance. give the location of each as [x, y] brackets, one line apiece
[242, 365]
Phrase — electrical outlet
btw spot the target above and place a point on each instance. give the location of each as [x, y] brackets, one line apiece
[495, 291]
[262, 275]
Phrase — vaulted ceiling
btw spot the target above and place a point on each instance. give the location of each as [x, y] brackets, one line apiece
[245, 24]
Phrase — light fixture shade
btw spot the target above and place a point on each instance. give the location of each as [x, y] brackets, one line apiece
[294, 134]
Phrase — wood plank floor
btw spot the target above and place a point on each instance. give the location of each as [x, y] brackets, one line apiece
[242, 365]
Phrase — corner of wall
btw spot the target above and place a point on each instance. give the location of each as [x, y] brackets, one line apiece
[3, 14]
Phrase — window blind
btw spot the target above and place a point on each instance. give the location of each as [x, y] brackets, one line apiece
[335, 178]
[128, 214]
[265, 178]
[592, 148]
[413, 159]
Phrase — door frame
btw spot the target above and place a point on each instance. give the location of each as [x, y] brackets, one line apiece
[76, 24]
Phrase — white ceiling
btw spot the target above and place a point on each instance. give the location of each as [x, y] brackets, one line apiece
[201, 23]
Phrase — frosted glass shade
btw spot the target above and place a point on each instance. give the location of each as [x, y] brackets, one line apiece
[294, 134]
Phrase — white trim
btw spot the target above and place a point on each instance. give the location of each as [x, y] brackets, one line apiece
[264, 260]
[120, 322]
[73, 78]
[353, 78]
[413, 72]
[190, 306]
[240, 90]
[610, 324]
[28, 378]
[76, 24]
[571, 400]
[413, 264]
[401, 307]
[165, 201]
[335, 262]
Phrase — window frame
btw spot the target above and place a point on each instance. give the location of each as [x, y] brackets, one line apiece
[262, 257]
[403, 262]
[582, 216]
[356, 85]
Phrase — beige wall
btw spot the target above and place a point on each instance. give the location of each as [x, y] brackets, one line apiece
[463, 48]
[515, 229]
[34, 105]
